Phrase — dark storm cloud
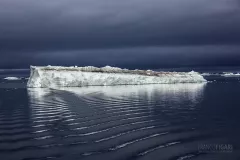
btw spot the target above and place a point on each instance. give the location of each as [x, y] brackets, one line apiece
[52, 29]
[153, 57]
[137, 57]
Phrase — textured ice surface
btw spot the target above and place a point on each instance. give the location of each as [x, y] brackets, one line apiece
[57, 76]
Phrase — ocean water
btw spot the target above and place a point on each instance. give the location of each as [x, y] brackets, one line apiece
[148, 122]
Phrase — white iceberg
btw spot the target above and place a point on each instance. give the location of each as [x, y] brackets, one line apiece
[58, 76]
[12, 78]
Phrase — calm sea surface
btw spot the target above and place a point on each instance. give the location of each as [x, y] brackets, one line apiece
[148, 122]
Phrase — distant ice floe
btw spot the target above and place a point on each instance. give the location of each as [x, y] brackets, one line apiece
[224, 74]
[58, 76]
[4, 70]
[12, 78]
[206, 74]
[229, 74]
[210, 74]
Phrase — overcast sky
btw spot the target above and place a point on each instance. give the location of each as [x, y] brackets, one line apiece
[124, 33]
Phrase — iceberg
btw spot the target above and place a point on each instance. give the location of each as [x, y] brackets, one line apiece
[59, 76]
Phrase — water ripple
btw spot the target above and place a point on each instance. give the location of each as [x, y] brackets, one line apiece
[129, 121]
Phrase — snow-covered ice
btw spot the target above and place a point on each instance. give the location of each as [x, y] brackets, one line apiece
[58, 76]
[12, 78]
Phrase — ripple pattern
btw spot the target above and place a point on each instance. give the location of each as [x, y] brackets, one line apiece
[119, 122]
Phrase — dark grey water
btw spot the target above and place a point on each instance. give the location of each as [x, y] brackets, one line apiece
[163, 122]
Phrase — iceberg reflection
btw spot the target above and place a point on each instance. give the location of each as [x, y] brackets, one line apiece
[89, 120]
[60, 106]
[170, 92]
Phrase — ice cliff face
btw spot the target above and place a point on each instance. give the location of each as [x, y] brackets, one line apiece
[56, 76]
